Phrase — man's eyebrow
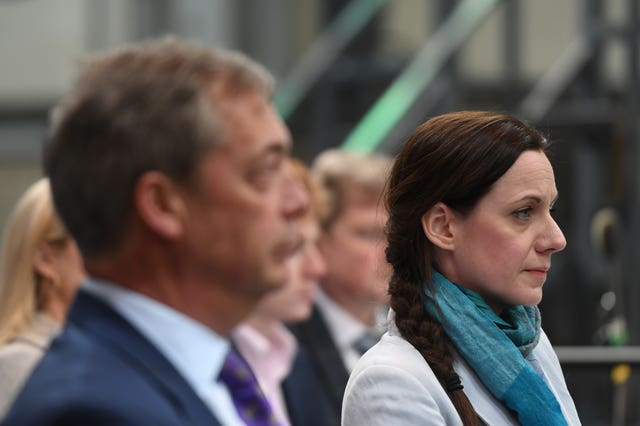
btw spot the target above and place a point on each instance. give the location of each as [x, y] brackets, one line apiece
[277, 147]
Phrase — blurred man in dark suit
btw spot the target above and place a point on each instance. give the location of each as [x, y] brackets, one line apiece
[167, 166]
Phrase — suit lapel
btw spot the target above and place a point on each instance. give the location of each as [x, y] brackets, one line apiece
[307, 403]
[117, 335]
[314, 335]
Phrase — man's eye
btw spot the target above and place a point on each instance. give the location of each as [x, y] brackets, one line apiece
[263, 176]
[370, 234]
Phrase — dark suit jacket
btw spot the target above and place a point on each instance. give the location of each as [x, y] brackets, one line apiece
[307, 403]
[101, 371]
[314, 337]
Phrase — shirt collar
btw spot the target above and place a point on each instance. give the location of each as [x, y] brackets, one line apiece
[195, 350]
[344, 327]
[270, 355]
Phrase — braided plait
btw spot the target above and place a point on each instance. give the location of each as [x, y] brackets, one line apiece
[407, 301]
[426, 334]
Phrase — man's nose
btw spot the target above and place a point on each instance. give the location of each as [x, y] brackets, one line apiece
[296, 198]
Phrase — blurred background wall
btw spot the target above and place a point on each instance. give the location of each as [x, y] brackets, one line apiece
[364, 73]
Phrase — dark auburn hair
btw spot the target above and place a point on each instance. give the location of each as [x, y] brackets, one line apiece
[454, 158]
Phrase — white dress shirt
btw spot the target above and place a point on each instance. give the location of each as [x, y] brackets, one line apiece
[196, 351]
[345, 329]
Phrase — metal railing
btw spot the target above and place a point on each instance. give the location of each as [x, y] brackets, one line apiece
[598, 355]
[371, 131]
[323, 52]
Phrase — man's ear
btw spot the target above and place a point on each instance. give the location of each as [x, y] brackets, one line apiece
[160, 204]
[437, 225]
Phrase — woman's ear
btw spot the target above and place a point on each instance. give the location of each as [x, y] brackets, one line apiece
[159, 204]
[43, 263]
[437, 226]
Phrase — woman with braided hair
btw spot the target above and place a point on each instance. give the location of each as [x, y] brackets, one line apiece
[470, 238]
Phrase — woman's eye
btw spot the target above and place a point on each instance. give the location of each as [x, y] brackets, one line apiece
[523, 214]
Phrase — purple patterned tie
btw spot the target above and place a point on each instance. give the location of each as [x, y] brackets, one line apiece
[250, 402]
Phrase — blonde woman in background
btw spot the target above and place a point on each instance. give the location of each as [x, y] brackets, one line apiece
[40, 269]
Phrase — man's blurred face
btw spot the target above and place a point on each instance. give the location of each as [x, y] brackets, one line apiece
[353, 248]
[242, 231]
[293, 302]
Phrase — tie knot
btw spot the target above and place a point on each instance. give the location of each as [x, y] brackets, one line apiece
[236, 370]
[365, 342]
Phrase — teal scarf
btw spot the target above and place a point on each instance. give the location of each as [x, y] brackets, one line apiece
[495, 348]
